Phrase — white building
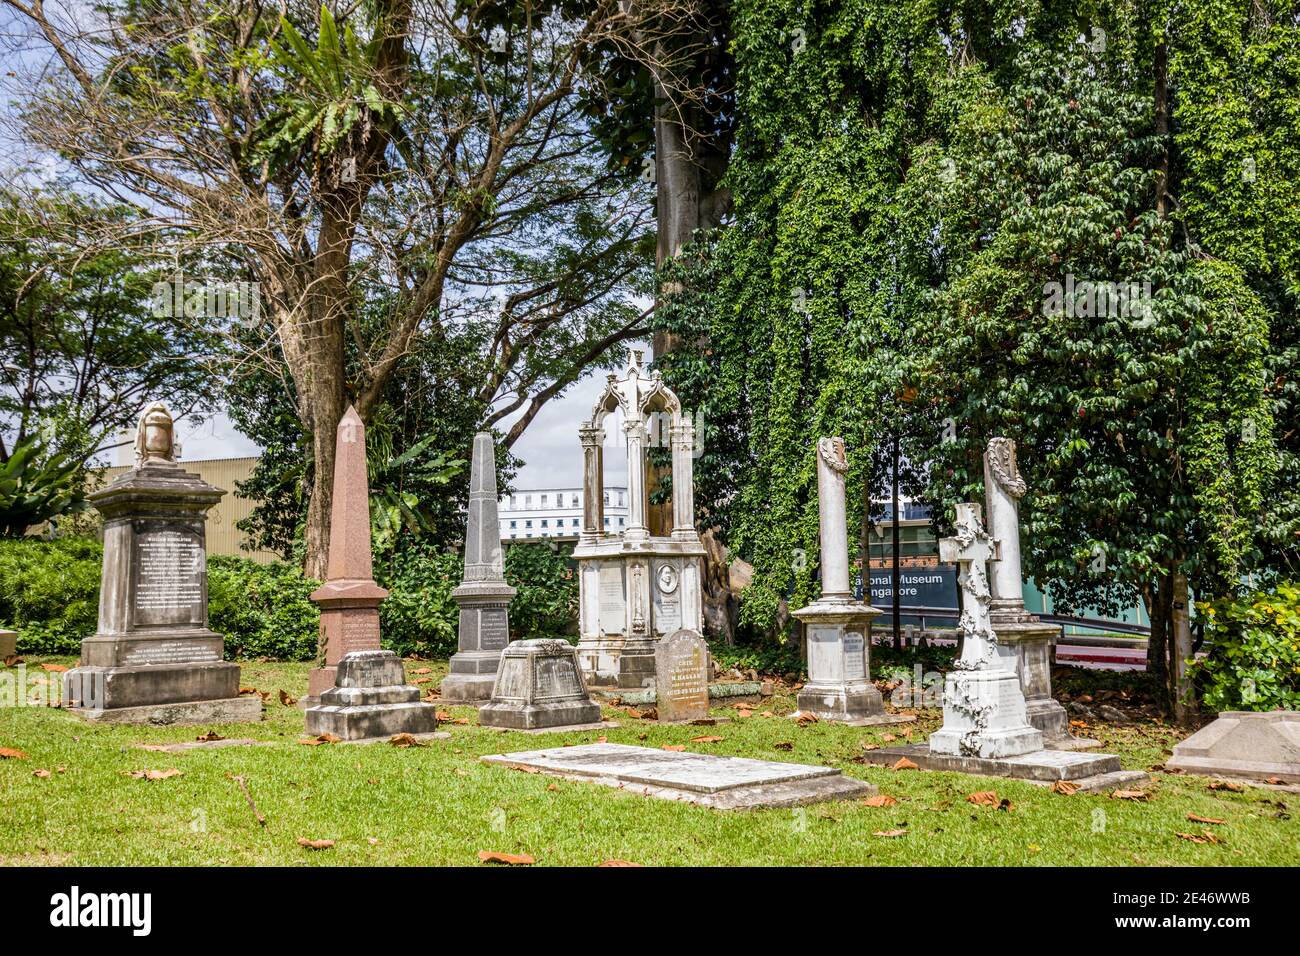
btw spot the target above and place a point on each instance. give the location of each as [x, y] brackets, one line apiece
[555, 513]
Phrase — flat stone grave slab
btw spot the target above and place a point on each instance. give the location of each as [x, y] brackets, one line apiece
[724, 783]
[571, 728]
[206, 745]
[875, 720]
[1041, 766]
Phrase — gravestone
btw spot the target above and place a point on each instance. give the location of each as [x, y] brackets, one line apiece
[1255, 746]
[539, 685]
[153, 658]
[8, 644]
[837, 625]
[1024, 642]
[367, 695]
[983, 706]
[371, 699]
[682, 677]
[349, 599]
[483, 595]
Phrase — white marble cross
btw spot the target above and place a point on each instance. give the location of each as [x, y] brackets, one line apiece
[971, 548]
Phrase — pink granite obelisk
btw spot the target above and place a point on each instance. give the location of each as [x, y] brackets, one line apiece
[349, 599]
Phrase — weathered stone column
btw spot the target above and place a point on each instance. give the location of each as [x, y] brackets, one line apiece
[483, 595]
[838, 627]
[636, 441]
[682, 437]
[593, 481]
[1024, 641]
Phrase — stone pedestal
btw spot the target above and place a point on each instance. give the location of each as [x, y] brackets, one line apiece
[153, 658]
[349, 599]
[539, 685]
[984, 716]
[483, 595]
[1254, 746]
[8, 644]
[371, 699]
[839, 653]
[1025, 646]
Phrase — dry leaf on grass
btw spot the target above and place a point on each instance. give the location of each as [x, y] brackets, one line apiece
[745, 713]
[443, 715]
[40, 773]
[209, 737]
[880, 800]
[1205, 837]
[153, 774]
[1197, 818]
[675, 748]
[464, 721]
[887, 737]
[619, 863]
[985, 798]
[1067, 787]
[904, 764]
[423, 680]
[867, 746]
[1130, 795]
[803, 720]
[322, 739]
[423, 670]
[13, 660]
[8, 753]
[783, 745]
[54, 668]
[315, 844]
[602, 740]
[890, 833]
[1227, 785]
[706, 740]
[372, 841]
[405, 740]
[1275, 781]
[286, 699]
[510, 859]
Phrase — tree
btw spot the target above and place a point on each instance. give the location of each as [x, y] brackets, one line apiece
[440, 151]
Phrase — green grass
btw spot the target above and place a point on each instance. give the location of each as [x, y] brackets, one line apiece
[438, 804]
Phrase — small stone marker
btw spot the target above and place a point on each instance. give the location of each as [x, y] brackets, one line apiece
[539, 685]
[371, 699]
[153, 658]
[8, 644]
[682, 677]
[483, 595]
[724, 783]
[1256, 746]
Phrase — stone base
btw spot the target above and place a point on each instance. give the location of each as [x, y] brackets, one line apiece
[149, 685]
[381, 720]
[1048, 718]
[234, 710]
[467, 688]
[319, 680]
[571, 728]
[636, 670]
[1241, 744]
[599, 661]
[840, 702]
[984, 716]
[1046, 766]
[723, 783]
[564, 714]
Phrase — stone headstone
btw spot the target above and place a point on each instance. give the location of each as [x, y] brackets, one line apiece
[371, 699]
[8, 644]
[153, 658]
[1255, 746]
[837, 625]
[483, 595]
[539, 685]
[349, 599]
[682, 677]
[983, 705]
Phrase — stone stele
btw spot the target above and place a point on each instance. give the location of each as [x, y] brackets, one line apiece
[682, 677]
[153, 658]
[483, 595]
[8, 644]
[1254, 746]
[371, 700]
[539, 685]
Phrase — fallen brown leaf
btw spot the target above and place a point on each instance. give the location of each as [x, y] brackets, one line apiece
[602, 740]
[405, 740]
[706, 740]
[890, 833]
[1227, 785]
[40, 773]
[880, 800]
[153, 774]
[315, 844]
[13, 660]
[783, 745]
[423, 670]
[1197, 818]
[1205, 837]
[209, 737]
[904, 764]
[461, 720]
[423, 680]
[1130, 795]
[619, 863]
[8, 753]
[985, 798]
[1275, 781]
[510, 859]
[287, 700]
[1066, 787]
[803, 720]
[372, 841]
[675, 748]
[322, 739]
[887, 737]
[745, 713]
[54, 668]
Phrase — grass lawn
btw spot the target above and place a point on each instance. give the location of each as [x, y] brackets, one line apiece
[437, 805]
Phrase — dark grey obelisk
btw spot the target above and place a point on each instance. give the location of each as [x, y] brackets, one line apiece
[483, 595]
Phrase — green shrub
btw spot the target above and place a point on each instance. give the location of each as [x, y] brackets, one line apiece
[1253, 661]
[419, 617]
[49, 592]
[262, 610]
[546, 604]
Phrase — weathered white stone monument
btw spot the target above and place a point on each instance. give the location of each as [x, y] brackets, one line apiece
[983, 706]
[539, 686]
[1024, 643]
[1249, 745]
[483, 595]
[635, 588]
[153, 658]
[837, 626]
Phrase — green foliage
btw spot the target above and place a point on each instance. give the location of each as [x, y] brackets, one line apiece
[1254, 650]
[419, 617]
[49, 592]
[262, 610]
[546, 602]
[37, 484]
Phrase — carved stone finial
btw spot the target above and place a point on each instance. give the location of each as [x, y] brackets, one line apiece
[831, 451]
[1002, 464]
[634, 361]
[155, 436]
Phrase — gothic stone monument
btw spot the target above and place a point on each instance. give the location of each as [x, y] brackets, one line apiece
[1254, 746]
[539, 686]
[635, 588]
[366, 695]
[483, 595]
[682, 677]
[153, 658]
[983, 706]
[1024, 643]
[837, 626]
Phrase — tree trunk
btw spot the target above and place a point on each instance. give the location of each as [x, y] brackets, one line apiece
[1184, 703]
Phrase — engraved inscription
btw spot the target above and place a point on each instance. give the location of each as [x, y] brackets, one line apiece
[512, 679]
[855, 659]
[360, 632]
[613, 607]
[667, 601]
[493, 629]
[169, 578]
[682, 678]
[556, 678]
[170, 652]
